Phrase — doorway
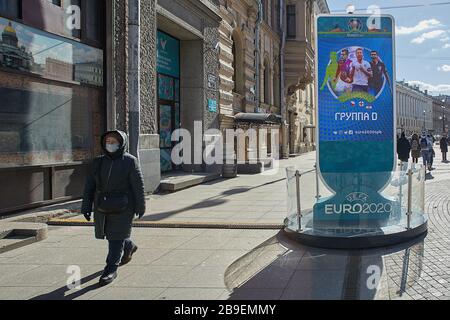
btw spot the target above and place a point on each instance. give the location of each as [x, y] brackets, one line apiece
[168, 118]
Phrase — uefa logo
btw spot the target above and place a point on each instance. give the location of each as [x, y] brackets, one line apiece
[355, 25]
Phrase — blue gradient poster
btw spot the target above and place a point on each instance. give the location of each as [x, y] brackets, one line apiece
[356, 115]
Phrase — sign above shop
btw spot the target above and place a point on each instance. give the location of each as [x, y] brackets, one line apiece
[168, 55]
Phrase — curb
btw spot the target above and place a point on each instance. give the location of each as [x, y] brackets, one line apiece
[174, 225]
[17, 235]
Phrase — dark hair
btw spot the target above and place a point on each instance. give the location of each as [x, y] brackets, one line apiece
[345, 51]
[374, 51]
[359, 49]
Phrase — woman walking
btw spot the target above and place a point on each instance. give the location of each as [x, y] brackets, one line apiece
[444, 147]
[403, 151]
[415, 149]
[114, 190]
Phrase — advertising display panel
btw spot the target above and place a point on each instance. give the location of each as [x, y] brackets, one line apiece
[355, 90]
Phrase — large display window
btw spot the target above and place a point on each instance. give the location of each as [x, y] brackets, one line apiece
[42, 122]
[31, 50]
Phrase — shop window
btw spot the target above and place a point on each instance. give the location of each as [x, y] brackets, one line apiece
[11, 8]
[43, 123]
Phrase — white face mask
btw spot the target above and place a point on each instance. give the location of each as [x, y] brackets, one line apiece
[112, 148]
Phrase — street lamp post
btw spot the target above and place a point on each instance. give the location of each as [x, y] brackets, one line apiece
[424, 120]
[443, 119]
[443, 115]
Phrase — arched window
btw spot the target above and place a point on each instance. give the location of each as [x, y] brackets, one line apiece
[276, 86]
[266, 91]
[238, 64]
[265, 8]
[275, 14]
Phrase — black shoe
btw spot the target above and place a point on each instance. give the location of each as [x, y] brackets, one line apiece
[127, 256]
[107, 278]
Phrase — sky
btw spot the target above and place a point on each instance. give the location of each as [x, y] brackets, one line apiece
[422, 39]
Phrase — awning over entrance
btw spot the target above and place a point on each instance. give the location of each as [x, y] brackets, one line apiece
[260, 118]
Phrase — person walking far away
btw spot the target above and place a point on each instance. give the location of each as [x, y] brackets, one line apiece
[114, 191]
[425, 149]
[444, 147]
[415, 149]
[432, 155]
[403, 150]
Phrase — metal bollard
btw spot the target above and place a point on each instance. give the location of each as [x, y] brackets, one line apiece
[299, 208]
[318, 196]
[409, 210]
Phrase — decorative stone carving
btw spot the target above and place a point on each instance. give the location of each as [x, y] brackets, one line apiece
[301, 85]
[252, 13]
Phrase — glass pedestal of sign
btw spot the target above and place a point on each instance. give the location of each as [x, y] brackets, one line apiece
[393, 215]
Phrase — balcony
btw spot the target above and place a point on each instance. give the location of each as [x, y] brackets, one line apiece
[299, 62]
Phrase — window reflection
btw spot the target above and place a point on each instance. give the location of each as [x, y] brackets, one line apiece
[30, 50]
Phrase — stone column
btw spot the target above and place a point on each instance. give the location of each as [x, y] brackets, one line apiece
[149, 152]
[118, 85]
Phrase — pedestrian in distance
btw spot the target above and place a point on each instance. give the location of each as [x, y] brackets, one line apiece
[444, 147]
[415, 149]
[403, 151]
[425, 150]
[432, 155]
[114, 191]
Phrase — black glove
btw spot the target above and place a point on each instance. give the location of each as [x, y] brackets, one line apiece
[140, 215]
[87, 216]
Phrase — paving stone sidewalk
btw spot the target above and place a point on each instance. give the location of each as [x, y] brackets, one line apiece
[199, 264]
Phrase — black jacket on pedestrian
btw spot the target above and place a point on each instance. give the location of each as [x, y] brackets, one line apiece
[444, 144]
[125, 177]
[403, 148]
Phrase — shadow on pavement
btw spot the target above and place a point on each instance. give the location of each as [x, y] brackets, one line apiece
[282, 269]
[168, 214]
[429, 176]
[60, 294]
[208, 203]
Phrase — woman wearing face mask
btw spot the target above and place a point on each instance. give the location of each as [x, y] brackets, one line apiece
[114, 191]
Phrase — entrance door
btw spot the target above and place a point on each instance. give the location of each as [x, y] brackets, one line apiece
[169, 117]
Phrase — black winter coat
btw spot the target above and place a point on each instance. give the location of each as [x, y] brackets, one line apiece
[125, 177]
[403, 149]
[444, 144]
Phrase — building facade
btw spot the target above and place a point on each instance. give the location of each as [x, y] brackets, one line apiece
[63, 87]
[250, 77]
[441, 114]
[414, 109]
[300, 72]
[51, 119]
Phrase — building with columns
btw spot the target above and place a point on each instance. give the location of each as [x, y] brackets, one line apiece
[441, 114]
[414, 109]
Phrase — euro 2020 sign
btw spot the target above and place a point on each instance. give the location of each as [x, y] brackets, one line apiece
[355, 90]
